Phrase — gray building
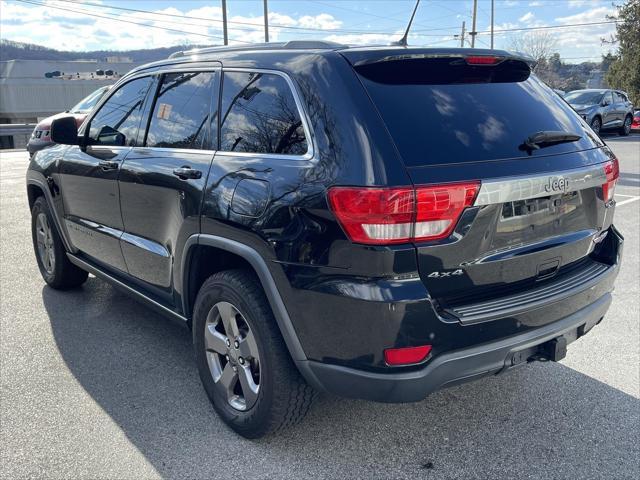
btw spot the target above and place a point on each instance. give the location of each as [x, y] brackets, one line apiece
[31, 90]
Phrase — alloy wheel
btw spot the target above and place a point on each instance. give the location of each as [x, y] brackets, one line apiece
[595, 125]
[627, 125]
[44, 237]
[232, 355]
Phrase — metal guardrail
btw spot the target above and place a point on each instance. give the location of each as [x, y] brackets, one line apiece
[9, 129]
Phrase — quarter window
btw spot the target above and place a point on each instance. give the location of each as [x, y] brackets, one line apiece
[259, 115]
[117, 121]
[181, 111]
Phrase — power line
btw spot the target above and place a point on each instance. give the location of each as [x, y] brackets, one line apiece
[125, 21]
[235, 22]
[416, 33]
[163, 14]
[258, 27]
[569, 25]
[389, 17]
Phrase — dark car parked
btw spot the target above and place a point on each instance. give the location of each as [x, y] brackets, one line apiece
[41, 136]
[603, 109]
[374, 222]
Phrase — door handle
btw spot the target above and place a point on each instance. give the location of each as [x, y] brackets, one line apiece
[187, 173]
[107, 165]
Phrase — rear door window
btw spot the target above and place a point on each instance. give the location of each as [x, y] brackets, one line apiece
[180, 116]
[608, 98]
[441, 111]
[259, 114]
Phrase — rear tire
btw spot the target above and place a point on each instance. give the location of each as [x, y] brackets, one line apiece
[231, 305]
[596, 125]
[626, 126]
[55, 267]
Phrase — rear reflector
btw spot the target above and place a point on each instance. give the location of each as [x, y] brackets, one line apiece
[483, 60]
[612, 170]
[406, 355]
[384, 216]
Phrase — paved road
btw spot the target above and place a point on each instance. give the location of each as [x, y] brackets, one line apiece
[93, 385]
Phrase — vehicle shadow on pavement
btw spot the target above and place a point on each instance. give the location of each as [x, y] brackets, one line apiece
[542, 420]
[632, 137]
[629, 179]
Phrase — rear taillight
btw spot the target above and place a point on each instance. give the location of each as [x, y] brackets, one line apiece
[384, 216]
[406, 355]
[439, 207]
[612, 170]
[483, 60]
[374, 215]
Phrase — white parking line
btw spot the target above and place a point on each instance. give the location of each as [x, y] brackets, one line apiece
[629, 200]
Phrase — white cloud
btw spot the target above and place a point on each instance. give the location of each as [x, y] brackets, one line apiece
[364, 38]
[582, 3]
[598, 14]
[68, 30]
[536, 4]
[504, 26]
[387, 39]
[324, 21]
[527, 17]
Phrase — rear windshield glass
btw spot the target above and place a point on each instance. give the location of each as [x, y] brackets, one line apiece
[441, 113]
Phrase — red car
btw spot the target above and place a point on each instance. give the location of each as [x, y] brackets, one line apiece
[41, 136]
[635, 124]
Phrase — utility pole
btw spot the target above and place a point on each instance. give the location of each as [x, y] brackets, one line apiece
[473, 32]
[492, 24]
[266, 22]
[462, 35]
[224, 22]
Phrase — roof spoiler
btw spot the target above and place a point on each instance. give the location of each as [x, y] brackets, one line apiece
[366, 56]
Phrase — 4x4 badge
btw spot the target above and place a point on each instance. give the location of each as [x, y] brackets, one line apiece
[446, 274]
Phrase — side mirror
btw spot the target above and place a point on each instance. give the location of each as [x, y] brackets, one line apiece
[64, 130]
[605, 103]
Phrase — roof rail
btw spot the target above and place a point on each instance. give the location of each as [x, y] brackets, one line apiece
[290, 45]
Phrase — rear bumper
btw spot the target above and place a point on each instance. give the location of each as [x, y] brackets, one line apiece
[453, 367]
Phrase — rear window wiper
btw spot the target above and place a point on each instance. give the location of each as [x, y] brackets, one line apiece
[547, 138]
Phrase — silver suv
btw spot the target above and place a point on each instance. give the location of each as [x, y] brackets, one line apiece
[603, 109]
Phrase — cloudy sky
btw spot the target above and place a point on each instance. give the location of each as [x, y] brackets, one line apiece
[132, 24]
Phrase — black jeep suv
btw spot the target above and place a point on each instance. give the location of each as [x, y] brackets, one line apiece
[373, 222]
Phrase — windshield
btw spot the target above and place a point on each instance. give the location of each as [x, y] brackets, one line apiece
[584, 98]
[436, 116]
[87, 103]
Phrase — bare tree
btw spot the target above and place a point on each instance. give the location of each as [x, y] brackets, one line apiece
[538, 45]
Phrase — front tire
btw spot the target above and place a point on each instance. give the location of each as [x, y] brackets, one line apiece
[55, 267]
[596, 125]
[626, 126]
[242, 359]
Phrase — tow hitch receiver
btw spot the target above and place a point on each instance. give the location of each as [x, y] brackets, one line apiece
[554, 350]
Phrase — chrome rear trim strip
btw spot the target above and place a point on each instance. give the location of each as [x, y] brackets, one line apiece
[511, 189]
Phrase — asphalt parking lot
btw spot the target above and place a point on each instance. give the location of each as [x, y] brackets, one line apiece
[94, 385]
